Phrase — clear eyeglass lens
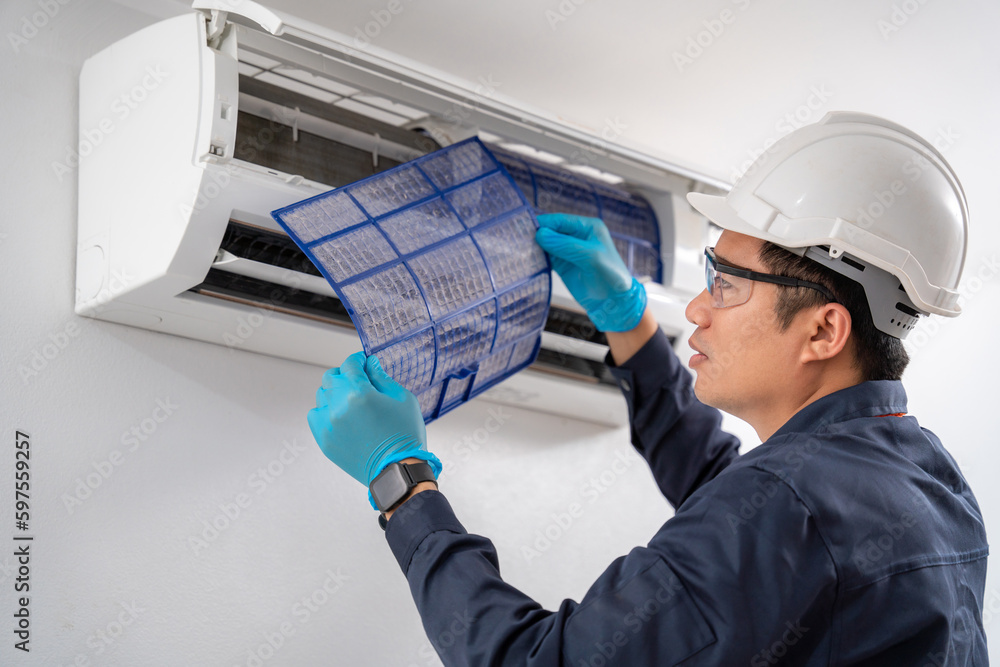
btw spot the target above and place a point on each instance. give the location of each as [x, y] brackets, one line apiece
[726, 290]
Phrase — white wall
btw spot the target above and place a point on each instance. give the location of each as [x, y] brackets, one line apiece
[130, 542]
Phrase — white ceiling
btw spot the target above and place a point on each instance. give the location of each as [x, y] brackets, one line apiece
[595, 63]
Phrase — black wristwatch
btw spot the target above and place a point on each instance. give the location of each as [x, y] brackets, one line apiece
[395, 483]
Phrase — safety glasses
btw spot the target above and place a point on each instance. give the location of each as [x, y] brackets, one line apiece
[729, 286]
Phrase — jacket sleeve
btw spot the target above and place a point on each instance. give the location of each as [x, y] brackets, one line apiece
[716, 586]
[678, 435]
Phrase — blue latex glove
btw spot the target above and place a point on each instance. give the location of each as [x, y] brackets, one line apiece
[364, 420]
[586, 259]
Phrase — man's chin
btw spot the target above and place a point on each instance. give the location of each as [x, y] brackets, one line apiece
[706, 396]
[701, 393]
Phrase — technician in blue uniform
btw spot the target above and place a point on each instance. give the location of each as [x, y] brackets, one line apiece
[848, 537]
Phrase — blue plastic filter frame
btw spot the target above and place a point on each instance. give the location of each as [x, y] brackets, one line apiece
[437, 265]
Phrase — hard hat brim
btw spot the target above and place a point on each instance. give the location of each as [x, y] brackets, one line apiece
[717, 209]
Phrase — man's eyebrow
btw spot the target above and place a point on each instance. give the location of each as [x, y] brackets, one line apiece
[723, 260]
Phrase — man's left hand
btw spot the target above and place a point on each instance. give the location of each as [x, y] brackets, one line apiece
[364, 420]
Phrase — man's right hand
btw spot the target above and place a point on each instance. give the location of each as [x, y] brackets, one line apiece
[586, 259]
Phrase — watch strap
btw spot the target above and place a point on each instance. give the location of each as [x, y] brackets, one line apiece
[420, 471]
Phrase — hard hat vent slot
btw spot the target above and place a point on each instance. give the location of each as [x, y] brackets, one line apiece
[852, 263]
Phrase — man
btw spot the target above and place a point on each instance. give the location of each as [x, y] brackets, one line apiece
[848, 537]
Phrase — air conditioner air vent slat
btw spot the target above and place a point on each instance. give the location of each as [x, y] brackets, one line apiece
[265, 246]
[271, 296]
[573, 325]
[578, 368]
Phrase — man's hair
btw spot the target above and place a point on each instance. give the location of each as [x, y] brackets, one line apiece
[877, 355]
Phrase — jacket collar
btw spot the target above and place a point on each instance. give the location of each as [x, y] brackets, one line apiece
[868, 399]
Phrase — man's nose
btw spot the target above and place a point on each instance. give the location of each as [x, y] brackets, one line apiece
[698, 311]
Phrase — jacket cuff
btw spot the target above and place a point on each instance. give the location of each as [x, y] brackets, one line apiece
[647, 370]
[425, 513]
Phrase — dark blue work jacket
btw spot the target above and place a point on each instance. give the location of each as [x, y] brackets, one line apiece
[850, 537]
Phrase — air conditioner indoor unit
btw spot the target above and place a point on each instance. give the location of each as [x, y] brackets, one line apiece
[194, 129]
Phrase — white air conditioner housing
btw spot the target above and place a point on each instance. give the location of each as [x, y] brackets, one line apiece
[194, 129]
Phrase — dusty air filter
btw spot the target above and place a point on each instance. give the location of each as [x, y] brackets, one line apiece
[437, 265]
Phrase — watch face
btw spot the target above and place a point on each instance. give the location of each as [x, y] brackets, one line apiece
[389, 487]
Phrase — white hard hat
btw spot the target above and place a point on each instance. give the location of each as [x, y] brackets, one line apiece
[856, 192]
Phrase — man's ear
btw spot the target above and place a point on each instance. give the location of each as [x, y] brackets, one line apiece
[829, 328]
